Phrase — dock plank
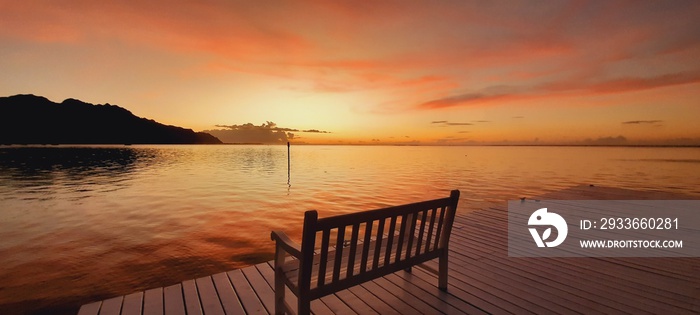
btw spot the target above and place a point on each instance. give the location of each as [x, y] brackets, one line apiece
[373, 301]
[189, 291]
[440, 300]
[174, 303]
[383, 294]
[479, 301]
[211, 305]
[249, 299]
[153, 302]
[90, 309]
[265, 293]
[112, 306]
[132, 304]
[405, 296]
[336, 305]
[358, 305]
[229, 299]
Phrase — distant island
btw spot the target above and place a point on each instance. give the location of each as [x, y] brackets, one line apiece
[31, 119]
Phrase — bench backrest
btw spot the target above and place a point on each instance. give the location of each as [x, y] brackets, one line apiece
[358, 247]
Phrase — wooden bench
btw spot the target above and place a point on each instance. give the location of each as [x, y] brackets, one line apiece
[359, 247]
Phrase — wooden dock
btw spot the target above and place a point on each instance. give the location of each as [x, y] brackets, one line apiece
[482, 279]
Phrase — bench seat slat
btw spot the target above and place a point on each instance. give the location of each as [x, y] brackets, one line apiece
[412, 227]
[402, 236]
[324, 256]
[366, 246]
[390, 240]
[433, 214]
[338, 253]
[439, 227]
[353, 249]
[377, 249]
[422, 230]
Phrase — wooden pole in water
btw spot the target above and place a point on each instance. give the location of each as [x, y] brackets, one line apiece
[288, 164]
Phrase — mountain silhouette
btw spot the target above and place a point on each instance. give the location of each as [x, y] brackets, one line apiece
[30, 119]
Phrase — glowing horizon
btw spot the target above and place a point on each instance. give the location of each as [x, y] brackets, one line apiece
[386, 73]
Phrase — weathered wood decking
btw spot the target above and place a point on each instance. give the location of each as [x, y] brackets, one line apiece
[482, 279]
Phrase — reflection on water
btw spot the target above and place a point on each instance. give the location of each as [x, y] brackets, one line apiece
[35, 172]
[85, 223]
[258, 160]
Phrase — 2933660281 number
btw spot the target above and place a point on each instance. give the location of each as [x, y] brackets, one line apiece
[639, 223]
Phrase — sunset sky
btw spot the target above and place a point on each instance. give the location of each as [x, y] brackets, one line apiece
[430, 72]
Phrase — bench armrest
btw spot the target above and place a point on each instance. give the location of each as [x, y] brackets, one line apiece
[286, 243]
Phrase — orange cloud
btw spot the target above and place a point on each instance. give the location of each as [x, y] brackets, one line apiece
[638, 84]
[557, 89]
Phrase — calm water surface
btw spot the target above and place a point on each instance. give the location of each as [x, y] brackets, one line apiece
[84, 223]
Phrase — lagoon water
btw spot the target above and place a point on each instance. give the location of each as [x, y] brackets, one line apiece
[82, 223]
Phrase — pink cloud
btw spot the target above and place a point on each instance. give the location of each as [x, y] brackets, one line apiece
[555, 89]
[639, 84]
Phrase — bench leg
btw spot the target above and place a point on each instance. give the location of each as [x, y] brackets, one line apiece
[279, 296]
[304, 306]
[279, 282]
[442, 271]
[408, 269]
